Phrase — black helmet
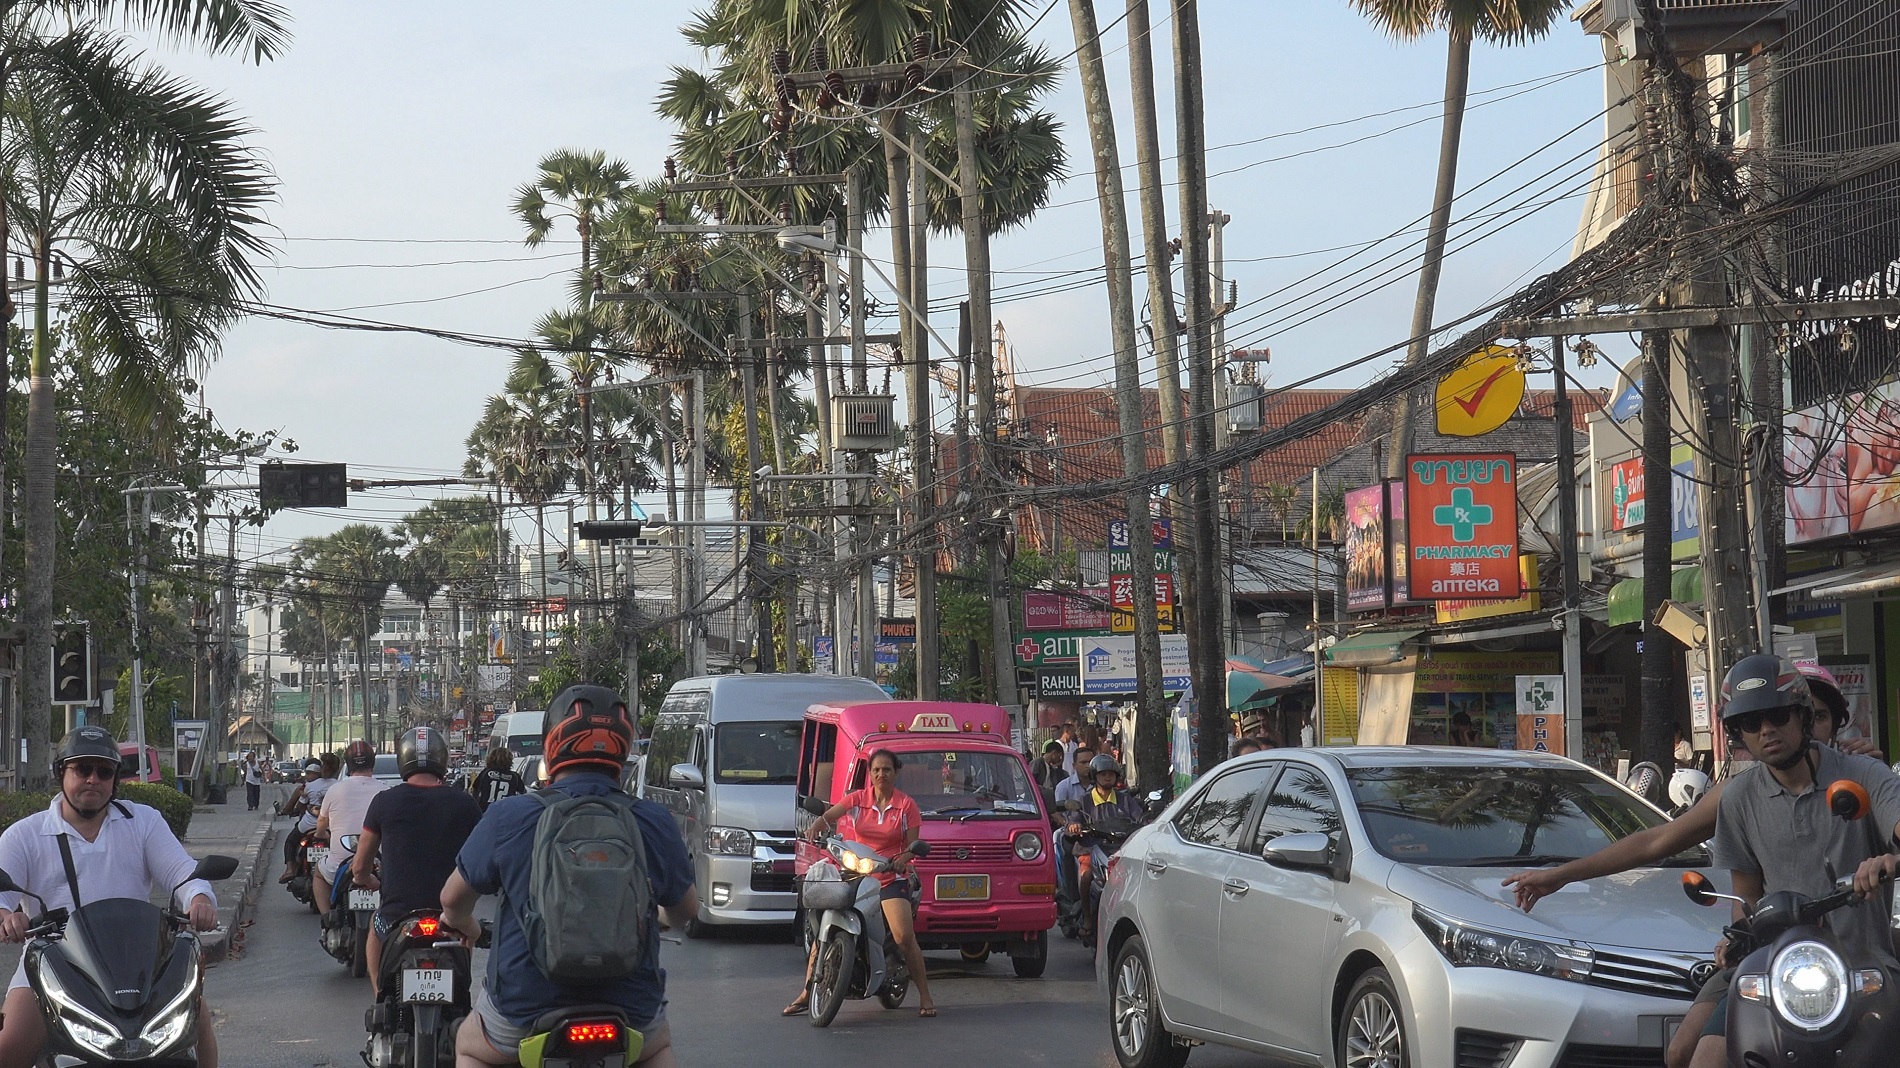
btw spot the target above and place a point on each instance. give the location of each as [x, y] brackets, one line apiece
[358, 756]
[586, 725]
[1763, 682]
[1104, 762]
[88, 742]
[422, 749]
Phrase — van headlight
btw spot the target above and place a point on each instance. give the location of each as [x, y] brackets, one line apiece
[1468, 946]
[1808, 983]
[1028, 845]
[729, 841]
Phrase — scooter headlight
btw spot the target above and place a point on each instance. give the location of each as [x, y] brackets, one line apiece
[1809, 985]
[169, 1023]
[85, 1028]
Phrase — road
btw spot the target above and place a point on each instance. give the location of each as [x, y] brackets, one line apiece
[283, 1003]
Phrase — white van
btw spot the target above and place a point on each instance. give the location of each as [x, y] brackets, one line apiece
[521, 732]
[723, 758]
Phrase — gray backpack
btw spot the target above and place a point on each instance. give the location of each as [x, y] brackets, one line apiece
[590, 904]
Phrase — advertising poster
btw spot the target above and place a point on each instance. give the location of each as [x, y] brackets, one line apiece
[1057, 610]
[1365, 549]
[1540, 713]
[1841, 459]
[1400, 546]
[1626, 494]
[1461, 511]
[1856, 676]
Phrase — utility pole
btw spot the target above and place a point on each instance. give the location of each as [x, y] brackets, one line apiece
[1572, 616]
[1204, 632]
[923, 460]
[1151, 722]
[976, 255]
[741, 353]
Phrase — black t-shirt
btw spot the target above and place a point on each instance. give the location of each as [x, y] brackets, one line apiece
[422, 828]
[491, 786]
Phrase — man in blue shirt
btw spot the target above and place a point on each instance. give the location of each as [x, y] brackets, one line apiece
[589, 738]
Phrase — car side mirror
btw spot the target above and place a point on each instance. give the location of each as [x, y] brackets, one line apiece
[348, 842]
[1308, 849]
[686, 776]
[215, 867]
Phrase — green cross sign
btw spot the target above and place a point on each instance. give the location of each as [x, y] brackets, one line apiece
[1462, 515]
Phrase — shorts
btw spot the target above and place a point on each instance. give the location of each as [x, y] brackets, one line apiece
[895, 890]
[506, 1037]
[1718, 1020]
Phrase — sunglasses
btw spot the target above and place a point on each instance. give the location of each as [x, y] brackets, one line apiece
[101, 772]
[1751, 722]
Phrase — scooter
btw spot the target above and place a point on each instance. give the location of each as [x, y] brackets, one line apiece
[118, 979]
[1076, 915]
[422, 994]
[345, 931]
[856, 955]
[302, 883]
[585, 1036]
[1799, 998]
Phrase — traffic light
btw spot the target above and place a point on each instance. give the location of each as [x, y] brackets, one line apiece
[72, 665]
[303, 485]
[608, 529]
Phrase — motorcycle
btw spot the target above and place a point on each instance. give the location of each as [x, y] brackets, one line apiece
[345, 931]
[1110, 831]
[585, 1036]
[1799, 998]
[118, 979]
[422, 994]
[310, 852]
[857, 956]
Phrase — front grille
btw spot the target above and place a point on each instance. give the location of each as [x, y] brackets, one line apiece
[774, 883]
[1642, 975]
[970, 853]
[1611, 1057]
[1484, 1049]
[783, 842]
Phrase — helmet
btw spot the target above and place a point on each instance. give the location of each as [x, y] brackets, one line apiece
[587, 725]
[86, 743]
[422, 749]
[1823, 684]
[358, 756]
[1687, 786]
[1762, 682]
[313, 764]
[1104, 762]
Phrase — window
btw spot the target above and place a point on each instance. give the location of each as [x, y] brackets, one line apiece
[820, 760]
[1218, 816]
[757, 752]
[1496, 816]
[1300, 802]
[671, 744]
[961, 784]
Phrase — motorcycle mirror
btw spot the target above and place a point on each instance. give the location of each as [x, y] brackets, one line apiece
[920, 849]
[1696, 885]
[1072, 805]
[348, 842]
[8, 886]
[1848, 799]
[215, 867]
[813, 805]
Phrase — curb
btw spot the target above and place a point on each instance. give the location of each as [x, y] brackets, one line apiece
[235, 912]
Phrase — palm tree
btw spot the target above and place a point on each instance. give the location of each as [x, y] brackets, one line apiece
[136, 188]
[355, 567]
[575, 185]
[1503, 21]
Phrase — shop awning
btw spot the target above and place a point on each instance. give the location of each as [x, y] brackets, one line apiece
[1871, 581]
[1835, 576]
[1370, 649]
[1626, 597]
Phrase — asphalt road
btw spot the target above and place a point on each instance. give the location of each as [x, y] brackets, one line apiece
[285, 1004]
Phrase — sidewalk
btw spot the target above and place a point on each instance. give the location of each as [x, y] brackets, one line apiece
[232, 830]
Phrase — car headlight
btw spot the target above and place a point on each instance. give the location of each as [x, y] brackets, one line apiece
[1028, 845]
[1809, 985]
[1468, 946]
[729, 841]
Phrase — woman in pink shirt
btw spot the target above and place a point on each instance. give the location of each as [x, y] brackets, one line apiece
[888, 821]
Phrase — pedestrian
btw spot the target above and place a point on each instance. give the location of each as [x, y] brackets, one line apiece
[253, 780]
[497, 780]
[1048, 771]
[1067, 738]
[1245, 744]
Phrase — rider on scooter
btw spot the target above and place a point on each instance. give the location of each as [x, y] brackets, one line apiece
[1106, 796]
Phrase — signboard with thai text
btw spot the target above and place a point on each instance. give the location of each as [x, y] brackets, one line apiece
[1062, 610]
[1461, 511]
[1626, 494]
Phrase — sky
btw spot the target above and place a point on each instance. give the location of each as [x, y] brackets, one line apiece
[400, 132]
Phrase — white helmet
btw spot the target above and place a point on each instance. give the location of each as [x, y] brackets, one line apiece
[1687, 786]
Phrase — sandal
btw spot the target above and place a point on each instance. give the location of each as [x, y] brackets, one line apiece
[797, 1008]
[927, 1012]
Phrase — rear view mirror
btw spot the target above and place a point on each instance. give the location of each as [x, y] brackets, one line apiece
[686, 776]
[812, 805]
[1072, 805]
[8, 886]
[348, 842]
[920, 849]
[1696, 886]
[215, 867]
[1848, 799]
[1308, 849]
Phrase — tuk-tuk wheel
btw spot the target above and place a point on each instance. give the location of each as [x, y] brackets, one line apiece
[976, 954]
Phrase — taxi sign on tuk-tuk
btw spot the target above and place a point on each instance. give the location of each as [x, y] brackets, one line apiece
[934, 721]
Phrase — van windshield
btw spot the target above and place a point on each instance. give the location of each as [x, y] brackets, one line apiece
[966, 784]
[525, 745]
[757, 753]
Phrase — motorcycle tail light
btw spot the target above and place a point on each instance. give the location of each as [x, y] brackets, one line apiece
[426, 964]
[428, 926]
[585, 1034]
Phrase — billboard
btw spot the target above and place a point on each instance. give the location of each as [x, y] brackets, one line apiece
[1626, 494]
[1057, 610]
[1366, 570]
[1461, 519]
[1841, 459]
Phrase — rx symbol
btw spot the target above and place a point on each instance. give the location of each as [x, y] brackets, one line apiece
[1028, 648]
[1462, 516]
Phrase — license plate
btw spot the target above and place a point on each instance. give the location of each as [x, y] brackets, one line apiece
[1670, 1025]
[365, 900]
[963, 888]
[426, 984]
[317, 855]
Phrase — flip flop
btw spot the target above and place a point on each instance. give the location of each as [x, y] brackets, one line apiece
[796, 1008]
[927, 1013]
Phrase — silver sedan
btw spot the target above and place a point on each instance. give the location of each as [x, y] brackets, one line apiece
[1344, 907]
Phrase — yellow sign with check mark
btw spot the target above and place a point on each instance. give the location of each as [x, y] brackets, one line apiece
[1480, 394]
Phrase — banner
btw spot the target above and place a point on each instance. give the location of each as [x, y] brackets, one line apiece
[1366, 588]
[1461, 511]
[1108, 665]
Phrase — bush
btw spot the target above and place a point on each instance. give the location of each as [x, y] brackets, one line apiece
[18, 806]
[174, 806]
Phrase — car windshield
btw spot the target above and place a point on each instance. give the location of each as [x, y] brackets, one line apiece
[385, 766]
[525, 744]
[966, 784]
[1474, 816]
[756, 752]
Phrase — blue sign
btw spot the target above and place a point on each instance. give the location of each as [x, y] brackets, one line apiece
[823, 650]
[1163, 534]
[1627, 403]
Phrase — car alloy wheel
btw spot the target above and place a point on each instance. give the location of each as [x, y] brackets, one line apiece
[1135, 1018]
[1371, 1034]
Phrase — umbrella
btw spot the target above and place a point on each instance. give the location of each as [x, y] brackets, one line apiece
[1245, 684]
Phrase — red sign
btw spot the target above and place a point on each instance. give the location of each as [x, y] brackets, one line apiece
[1626, 494]
[1053, 610]
[1461, 519]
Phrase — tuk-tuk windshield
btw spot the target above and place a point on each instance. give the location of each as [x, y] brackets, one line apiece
[762, 752]
[965, 784]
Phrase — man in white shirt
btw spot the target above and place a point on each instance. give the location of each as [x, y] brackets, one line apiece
[342, 814]
[119, 849]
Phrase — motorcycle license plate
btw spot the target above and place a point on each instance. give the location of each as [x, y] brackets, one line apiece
[316, 855]
[963, 888]
[369, 900]
[426, 984]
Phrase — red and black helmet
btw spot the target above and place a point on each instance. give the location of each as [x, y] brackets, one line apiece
[587, 725]
[358, 756]
[1763, 682]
